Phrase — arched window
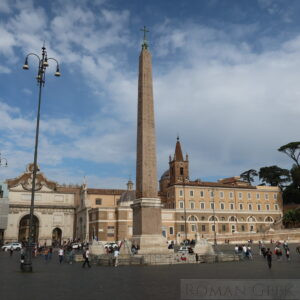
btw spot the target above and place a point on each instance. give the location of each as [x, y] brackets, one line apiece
[269, 219]
[232, 219]
[192, 218]
[251, 219]
[213, 218]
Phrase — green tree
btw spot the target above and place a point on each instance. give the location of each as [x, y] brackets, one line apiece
[274, 176]
[292, 150]
[291, 218]
[249, 175]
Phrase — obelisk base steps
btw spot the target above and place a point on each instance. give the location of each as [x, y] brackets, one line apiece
[151, 244]
[147, 229]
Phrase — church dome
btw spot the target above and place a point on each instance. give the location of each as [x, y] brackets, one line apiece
[165, 175]
[127, 196]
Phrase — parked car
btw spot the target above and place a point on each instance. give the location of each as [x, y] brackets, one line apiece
[185, 249]
[111, 245]
[76, 246]
[15, 246]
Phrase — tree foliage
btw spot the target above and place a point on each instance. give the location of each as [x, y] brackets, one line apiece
[292, 150]
[291, 218]
[249, 175]
[274, 176]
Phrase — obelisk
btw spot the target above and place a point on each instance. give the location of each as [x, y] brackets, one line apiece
[147, 231]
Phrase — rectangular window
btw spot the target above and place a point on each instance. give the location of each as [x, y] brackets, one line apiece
[266, 196]
[231, 195]
[251, 228]
[180, 193]
[249, 195]
[171, 230]
[223, 227]
[243, 227]
[202, 205]
[181, 171]
[241, 206]
[192, 193]
[275, 196]
[222, 206]
[213, 228]
[203, 227]
[194, 228]
[212, 205]
[212, 194]
[257, 196]
[240, 195]
[181, 204]
[222, 195]
[231, 206]
[181, 227]
[192, 204]
[276, 206]
[250, 206]
[258, 207]
[201, 194]
[98, 201]
[268, 207]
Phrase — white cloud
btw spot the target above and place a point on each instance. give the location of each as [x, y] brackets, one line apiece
[4, 70]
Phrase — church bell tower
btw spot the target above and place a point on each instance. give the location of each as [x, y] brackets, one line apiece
[179, 168]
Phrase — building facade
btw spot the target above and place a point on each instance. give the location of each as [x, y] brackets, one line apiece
[190, 208]
[54, 213]
[3, 210]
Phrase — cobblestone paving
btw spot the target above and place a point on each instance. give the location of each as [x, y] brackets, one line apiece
[53, 281]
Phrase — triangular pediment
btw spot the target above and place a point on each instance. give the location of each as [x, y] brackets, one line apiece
[24, 181]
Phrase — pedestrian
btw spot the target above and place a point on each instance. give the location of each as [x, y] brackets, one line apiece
[249, 251]
[22, 259]
[287, 253]
[236, 249]
[244, 251]
[269, 257]
[50, 253]
[197, 257]
[46, 253]
[116, 256]
[61, 254]
[259, 247]
[72, 253]
[11, 251]
[285, 245]
[86, 255]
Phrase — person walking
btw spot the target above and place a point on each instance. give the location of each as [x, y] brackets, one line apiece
[269, 257]
[116, 256]
[11, 251]
[61, 255]
[236, 249]
[86, 255]
[50, 253]
[22, 259]
[46, 253]
[244, 251]
[287, 253]
[249, 251]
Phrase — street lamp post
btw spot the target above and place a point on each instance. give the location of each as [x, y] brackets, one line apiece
[214, 216]
[43, 64]
[3, 162]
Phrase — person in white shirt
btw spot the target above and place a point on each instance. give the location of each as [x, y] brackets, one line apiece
[116, 256]
[61, 255]
[86, 255]
[236, 249]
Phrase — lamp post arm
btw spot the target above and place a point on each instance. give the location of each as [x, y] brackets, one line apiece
[29, 54]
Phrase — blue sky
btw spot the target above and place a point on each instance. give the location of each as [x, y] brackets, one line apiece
[226, 79]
